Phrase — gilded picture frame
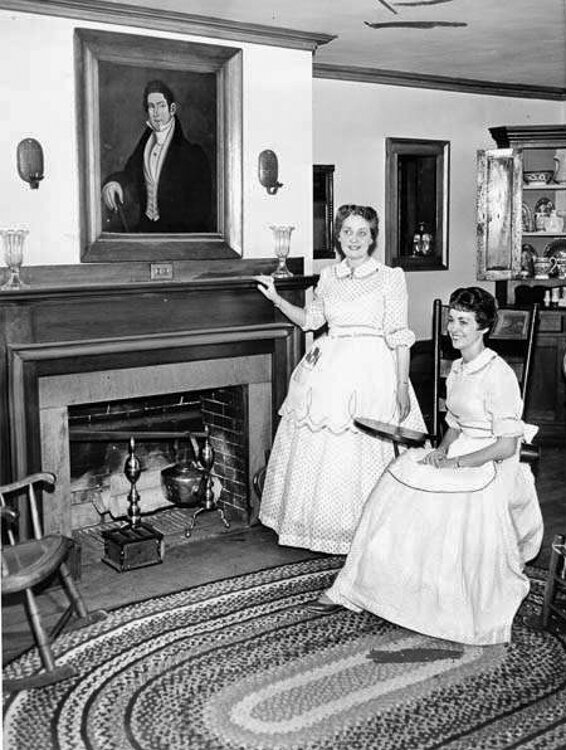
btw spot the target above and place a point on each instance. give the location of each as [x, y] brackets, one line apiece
[111, 72]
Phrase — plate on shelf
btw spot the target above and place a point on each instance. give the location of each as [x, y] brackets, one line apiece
[544, 206]
[556, 249]
[527, 218]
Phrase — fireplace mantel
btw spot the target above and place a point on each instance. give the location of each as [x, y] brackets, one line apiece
[55, 330]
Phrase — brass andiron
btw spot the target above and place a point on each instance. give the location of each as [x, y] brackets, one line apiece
[133, 544]
[208, 502]
[132, 470]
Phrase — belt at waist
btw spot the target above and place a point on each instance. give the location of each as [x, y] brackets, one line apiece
[353, 332]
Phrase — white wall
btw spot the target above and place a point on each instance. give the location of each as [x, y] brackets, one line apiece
[350, 124]
[37, 80]
[302, 120]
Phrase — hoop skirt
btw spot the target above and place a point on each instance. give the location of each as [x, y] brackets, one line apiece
[441, 551]
[322, 468]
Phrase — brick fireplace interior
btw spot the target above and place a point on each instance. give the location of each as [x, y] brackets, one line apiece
[62, 400]
[97, 456]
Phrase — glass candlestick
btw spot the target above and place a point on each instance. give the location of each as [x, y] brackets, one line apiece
[422, 240]
[282, 238]
[13, 241]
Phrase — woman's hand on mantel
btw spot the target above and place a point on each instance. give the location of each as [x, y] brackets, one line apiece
[266, 286]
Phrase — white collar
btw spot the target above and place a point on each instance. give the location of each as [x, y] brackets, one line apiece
[477, 363]
[160, 136]
[343, 269]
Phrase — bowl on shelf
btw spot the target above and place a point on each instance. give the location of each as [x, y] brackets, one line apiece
[538, 177]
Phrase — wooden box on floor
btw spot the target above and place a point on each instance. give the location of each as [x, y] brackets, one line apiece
[127, 548]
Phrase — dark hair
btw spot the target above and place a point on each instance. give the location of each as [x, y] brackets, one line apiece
[351, 209]
[477, 300]
[158, 87]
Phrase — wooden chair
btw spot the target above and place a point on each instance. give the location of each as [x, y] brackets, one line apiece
[554, 604]
[512, 337]
[29, 562]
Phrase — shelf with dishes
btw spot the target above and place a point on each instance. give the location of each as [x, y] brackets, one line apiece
[542, 218]
[544, 262]
[544, 179]
[527, 172]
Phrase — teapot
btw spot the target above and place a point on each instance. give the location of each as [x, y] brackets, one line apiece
[183, 481]
[189, 482]
[560, 169]
[183, 484]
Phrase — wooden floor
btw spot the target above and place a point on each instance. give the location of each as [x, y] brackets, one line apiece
[224, 553]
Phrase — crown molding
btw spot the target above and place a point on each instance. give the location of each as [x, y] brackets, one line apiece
[442, 83]
[524, 136]
[166, 20]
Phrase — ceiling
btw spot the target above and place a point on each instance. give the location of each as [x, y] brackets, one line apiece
[510, 43]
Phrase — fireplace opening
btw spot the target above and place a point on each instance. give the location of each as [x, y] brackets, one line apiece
[99, 488]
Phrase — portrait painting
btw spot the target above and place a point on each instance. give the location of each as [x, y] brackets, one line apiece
[160, 148]
[129, 97]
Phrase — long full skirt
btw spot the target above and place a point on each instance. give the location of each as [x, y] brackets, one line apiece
[441, 551]
[322, 468]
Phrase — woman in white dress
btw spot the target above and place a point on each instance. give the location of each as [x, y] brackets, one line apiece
[444, 535]
[322, 468]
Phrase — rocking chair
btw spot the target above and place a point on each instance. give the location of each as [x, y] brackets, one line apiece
[27, 563]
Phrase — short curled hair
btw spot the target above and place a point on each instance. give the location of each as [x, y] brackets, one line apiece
[477, 300]
[158, 87]
[351, 209]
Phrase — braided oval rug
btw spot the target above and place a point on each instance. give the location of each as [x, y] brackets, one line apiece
[240, 664]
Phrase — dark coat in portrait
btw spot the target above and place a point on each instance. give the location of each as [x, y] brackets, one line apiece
[184, 194]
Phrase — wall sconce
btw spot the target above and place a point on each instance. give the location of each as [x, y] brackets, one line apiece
[268, 170]
[30, 161]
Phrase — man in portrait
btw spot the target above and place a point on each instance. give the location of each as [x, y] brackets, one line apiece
[165, 185]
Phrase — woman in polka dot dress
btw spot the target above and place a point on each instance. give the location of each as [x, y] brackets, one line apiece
[322, 468]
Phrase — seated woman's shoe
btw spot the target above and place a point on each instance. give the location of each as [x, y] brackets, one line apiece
[323, 606]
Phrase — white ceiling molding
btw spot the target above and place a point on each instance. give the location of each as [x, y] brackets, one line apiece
[159, 19]
[442, 83]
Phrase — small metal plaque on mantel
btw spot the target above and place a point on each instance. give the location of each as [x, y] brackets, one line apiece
[129, 547]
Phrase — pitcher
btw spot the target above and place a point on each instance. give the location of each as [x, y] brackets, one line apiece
[560, 169]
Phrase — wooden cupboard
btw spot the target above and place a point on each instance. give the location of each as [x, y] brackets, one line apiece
[510, 230]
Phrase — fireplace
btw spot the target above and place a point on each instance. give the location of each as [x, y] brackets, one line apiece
[99, 433]
[85, 345]
[58, 394]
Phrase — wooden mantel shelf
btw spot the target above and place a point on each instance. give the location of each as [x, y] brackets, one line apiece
[34, 293]
[135, 277]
